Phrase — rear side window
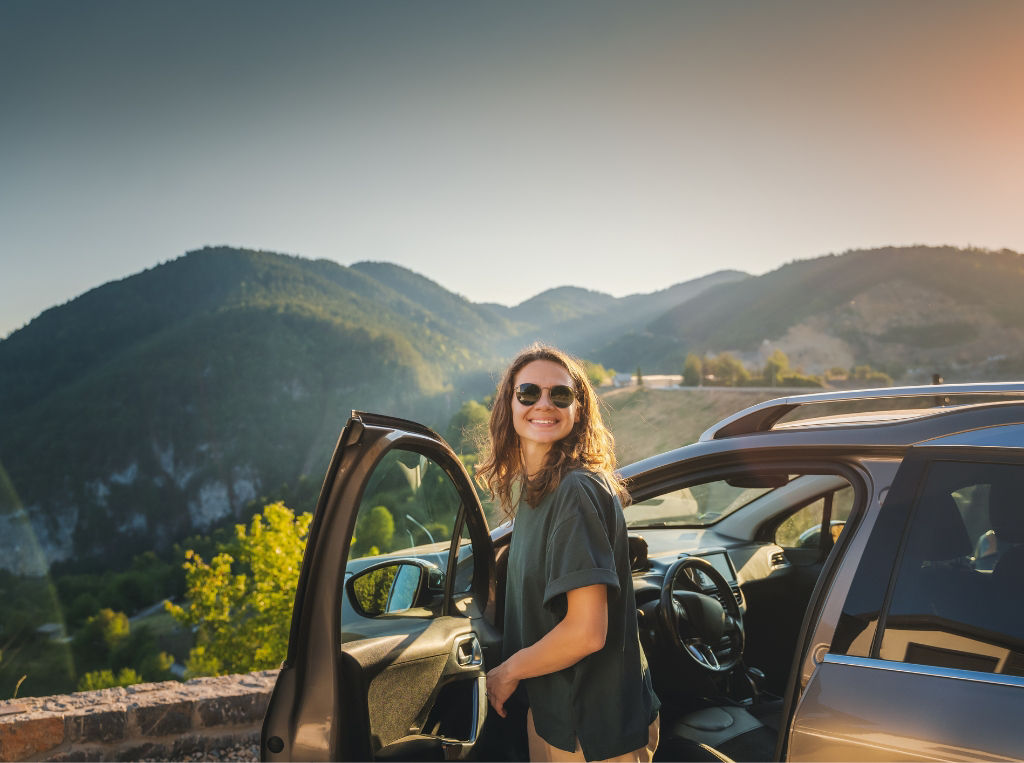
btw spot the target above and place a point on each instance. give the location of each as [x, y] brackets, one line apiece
[803, 528]
[956, 599]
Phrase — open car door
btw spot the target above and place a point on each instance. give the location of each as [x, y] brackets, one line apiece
[393, 618]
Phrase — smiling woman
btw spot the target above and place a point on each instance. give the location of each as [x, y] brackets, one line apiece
[569, 593]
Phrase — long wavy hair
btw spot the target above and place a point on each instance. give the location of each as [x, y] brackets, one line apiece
[589, 445]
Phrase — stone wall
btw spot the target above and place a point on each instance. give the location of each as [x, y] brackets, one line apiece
[162, 721]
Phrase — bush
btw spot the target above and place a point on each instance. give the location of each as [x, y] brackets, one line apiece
[105, 679]
[240, 603]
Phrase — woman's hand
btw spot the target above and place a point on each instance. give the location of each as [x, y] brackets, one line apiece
[500, 685]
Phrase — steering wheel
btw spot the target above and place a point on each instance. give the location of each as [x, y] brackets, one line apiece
[696, 622]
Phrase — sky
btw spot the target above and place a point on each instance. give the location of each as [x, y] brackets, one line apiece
[501, 149]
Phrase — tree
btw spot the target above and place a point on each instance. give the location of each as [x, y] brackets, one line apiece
[93, 645]
[775, 368]
[240, 603]
[596, 373]
[105, 679]
[639, 377]
[467, 427]
[728, 370]
[869, 376]
[693, 370]
[374, 531]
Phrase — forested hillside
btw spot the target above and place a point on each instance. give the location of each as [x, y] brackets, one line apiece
[170, 401]
[153, 413]
[911, 311]
[166, 402]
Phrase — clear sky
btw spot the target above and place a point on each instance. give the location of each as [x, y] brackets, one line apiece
[501, 149]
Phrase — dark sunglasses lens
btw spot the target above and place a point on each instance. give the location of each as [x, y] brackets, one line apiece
[561, 396]
[528, 394]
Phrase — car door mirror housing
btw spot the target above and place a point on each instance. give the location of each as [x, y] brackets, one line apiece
[393, 586]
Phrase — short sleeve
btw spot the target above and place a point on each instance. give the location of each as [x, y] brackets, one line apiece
[579, 549]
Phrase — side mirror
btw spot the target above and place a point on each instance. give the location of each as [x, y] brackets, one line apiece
[393, 586]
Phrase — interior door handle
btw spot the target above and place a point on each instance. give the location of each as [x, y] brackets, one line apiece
[468, 652]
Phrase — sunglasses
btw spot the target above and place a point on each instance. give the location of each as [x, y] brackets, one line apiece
[529, 393]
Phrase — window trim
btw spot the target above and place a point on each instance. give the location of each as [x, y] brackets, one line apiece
[874, 663]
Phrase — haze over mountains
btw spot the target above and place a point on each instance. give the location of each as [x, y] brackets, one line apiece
[167, 402]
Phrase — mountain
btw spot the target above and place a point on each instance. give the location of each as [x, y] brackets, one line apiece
[164, 403]
[167, 402]
[588, 334]
[910, 310]
[174, 400]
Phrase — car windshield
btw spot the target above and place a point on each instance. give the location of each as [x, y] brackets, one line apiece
[695, 505]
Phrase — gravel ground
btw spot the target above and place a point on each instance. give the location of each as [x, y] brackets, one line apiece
[241, 752]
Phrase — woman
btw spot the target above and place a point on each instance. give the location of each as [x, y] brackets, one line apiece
[570, 617]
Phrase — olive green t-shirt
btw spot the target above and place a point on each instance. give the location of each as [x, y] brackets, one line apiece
[576, 537]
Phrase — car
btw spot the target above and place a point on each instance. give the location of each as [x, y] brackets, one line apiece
[832, 576]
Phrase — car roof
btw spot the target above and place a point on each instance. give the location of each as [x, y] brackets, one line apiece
[945, 411]
[1002, 436]
[862, 406]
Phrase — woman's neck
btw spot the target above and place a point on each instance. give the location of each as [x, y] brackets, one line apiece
[534, 456]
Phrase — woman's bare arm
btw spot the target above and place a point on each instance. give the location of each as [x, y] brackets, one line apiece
[581, 632]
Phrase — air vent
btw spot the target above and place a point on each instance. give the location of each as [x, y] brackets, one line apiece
[779, 560]
[717, 597]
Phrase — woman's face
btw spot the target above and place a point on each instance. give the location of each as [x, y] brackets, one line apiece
[543, 423]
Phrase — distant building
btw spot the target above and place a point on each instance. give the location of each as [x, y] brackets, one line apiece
[654, 381]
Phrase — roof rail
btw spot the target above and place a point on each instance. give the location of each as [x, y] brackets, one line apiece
[763, 416]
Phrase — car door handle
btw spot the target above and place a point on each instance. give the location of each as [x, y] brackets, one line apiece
[468, 653]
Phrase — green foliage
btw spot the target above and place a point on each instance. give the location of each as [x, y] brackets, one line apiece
[693, 370]
[102, 633]
[30, 638]
[240, 603]
[775, 368]
[468, 427]
[105, 679]
[597, 374]
[147, 579]
[180, 356]
[372, 588]
[374, 532]
[725, 370]
[866, 376]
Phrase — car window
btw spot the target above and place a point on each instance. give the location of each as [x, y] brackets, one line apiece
[695, 505]
[408, 510]
[954, 603]
[409, 506]
[802, 529]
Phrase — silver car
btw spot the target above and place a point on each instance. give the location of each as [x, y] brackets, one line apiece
[834, 576]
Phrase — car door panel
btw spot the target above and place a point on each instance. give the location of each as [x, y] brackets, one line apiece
[948, 677]
[378, 694]
[401, 678]
[847, 709]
